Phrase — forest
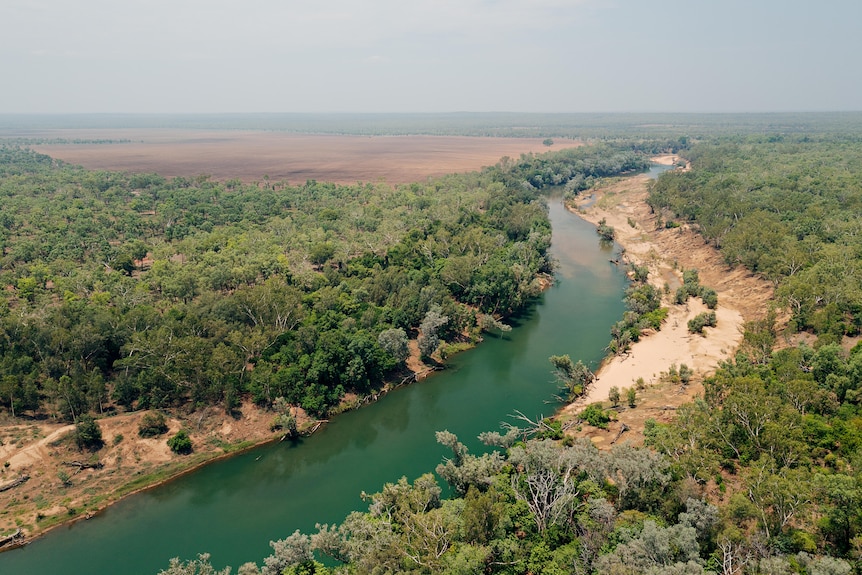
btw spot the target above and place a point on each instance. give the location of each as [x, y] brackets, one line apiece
[786, 207]
[133, 291]
[759, 475]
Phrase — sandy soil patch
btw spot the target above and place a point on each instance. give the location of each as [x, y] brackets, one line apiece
[281, 156]
[43, 450]
[742, 297]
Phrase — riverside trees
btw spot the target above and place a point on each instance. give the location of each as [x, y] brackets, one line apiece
[785, 206]
[137, 291]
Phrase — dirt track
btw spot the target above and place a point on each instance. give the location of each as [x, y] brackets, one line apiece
[282, 156]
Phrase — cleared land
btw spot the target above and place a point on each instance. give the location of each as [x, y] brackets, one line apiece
[281, 156]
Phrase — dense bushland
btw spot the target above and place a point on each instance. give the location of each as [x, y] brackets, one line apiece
[138, 291]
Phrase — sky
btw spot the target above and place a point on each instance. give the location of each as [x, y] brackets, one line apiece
[233, 56]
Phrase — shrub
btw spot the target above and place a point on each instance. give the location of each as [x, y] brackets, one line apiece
[152, 424]
[631, 397]
[655, 318]
[606, 232]
[709, 297]
[180, 442]
[700, 321]
[685, 373]
[596, 416]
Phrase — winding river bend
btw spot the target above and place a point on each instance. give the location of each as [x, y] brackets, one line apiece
[233, 508]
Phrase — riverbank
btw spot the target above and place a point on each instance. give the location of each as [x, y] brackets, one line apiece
[60, 491]
[65, 484]
[742, 297]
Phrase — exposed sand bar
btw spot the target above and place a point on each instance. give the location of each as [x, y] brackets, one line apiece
[742, 296]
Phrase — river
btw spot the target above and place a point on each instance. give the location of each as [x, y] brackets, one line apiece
[233, 508]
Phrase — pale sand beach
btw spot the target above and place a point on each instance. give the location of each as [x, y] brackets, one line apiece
[742, 296]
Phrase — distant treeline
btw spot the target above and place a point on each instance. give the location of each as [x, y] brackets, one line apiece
[24, 142]
[555, 125]
[137, 291]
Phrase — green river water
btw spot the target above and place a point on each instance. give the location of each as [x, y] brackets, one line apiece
[233, 508]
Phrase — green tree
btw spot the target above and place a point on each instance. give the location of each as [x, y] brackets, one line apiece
[394, 342]
[88, 433]
[631, 397]
[429, 338]
[180, 442]
[614, 396]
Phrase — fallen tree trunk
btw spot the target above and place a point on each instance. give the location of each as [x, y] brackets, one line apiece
[83, 465]
[623, 429]
[14, 483]
[10, 538]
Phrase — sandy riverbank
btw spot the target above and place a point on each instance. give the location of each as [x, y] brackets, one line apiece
[742, 296]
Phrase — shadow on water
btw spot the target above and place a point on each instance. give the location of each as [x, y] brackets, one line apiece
[233, 508]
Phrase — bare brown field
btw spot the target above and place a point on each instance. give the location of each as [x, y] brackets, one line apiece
[294, 158]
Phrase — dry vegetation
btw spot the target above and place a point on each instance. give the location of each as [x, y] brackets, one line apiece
[282, 156]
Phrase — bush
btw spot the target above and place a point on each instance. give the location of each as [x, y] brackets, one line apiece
[596, 416]
[88, 434]
[700, 321]
[685, 373]
[709, 297]
[606, 232]
[152, 424]
[180, 442]
[655, 318]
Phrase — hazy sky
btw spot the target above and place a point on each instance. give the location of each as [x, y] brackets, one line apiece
[430, 55]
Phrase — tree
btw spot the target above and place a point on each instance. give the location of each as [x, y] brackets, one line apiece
[631, 397]
[655, 550]
[606, 232]
[290, 552]
[614, 396]
[199, 566]
[429, 340]
[88, 434]
[394, 342]
[284, 418]
[321, 253]
[465, 471]
[180, 443]
[547, 479]
[574, 377]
